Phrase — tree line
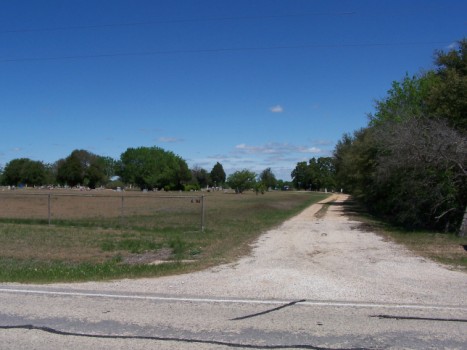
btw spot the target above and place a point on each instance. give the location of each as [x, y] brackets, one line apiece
[148, 168]
[409, 164]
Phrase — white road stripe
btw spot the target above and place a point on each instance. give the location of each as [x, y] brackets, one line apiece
[238, 301]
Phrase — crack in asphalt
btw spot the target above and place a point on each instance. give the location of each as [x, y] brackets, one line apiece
[268, 311]
[184, 340]
[419, 318]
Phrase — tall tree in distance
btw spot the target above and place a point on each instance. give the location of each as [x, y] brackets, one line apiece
[300, 176]
[217, 175]
[200, 176]
[267, 178]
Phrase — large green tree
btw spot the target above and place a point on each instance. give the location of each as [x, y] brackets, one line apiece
[24, 171]
[447, 98]
[300, 176]
[405, 99]
[153, 167]
[317, 174]
[82, 168]
[322, 173]
[242, 180]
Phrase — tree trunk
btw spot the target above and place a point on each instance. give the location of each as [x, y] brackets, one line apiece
[463, 229]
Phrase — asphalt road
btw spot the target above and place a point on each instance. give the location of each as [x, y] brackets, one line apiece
[309, 284]
[47, 318]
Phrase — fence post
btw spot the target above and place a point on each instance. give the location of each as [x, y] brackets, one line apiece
[202, 213]
[48, 208]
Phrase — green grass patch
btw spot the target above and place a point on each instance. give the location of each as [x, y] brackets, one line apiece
[132, 245]
[321, 213]
[28, 271]
[83, 250]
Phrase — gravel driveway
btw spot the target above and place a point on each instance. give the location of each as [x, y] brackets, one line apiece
[316, 259]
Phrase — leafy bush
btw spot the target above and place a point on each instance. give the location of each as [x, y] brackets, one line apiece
[191, 187]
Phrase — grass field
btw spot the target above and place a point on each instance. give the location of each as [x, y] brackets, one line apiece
[88, 242]
[107, 209]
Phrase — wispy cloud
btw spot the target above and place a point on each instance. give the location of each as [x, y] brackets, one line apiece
[313, 150]
[169, 139]
[246, 149]
[277, 109]
[452, 46]
[321, 142]
[276, 148]
[280, 157]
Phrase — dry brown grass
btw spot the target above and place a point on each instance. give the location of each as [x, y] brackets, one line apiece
[102, 208]
[89, 241]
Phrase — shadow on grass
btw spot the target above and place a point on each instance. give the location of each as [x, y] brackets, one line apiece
[445, 248]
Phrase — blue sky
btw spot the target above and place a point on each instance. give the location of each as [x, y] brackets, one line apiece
[249, 83]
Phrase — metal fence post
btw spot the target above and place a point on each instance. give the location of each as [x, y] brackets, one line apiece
[202, 213]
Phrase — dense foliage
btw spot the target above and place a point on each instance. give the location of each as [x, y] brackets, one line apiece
[144, 168]
[24, 171]
[153, 168]
[409, 165]
[83, 168]
[242, 180]
[317, 174]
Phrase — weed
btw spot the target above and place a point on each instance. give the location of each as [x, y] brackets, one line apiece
[178, 246]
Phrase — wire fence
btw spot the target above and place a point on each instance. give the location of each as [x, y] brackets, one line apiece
[118, 209]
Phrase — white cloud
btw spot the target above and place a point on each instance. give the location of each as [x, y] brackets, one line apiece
[276, 109]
